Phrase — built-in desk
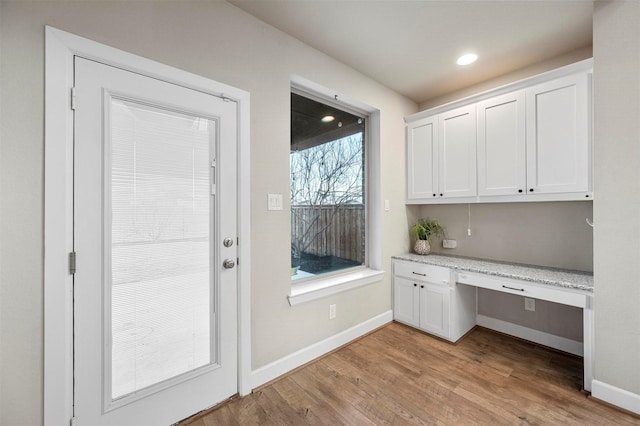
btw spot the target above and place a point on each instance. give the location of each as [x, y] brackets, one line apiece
[572, 288]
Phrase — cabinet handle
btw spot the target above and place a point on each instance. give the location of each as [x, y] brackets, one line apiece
[530, 189]
[441, 194]
[434, 195]
[421, 286]
[519, 190]
[513, 288]
[418, 273]
[415, 285]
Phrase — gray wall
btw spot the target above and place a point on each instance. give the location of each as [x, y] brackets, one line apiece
[616, 48]
[218, 41]
[553, 234]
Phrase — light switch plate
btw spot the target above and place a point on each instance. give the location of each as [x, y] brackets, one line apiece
[275, 202]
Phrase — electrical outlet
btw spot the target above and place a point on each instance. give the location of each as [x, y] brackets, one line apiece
[332, 311]
[529, 304]
[450, 244]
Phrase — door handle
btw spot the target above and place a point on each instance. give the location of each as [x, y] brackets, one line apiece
[228, 263]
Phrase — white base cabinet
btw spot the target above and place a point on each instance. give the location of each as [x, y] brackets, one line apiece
[427, 297]
[435, 312]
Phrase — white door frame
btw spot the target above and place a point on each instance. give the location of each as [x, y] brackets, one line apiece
[61, 47]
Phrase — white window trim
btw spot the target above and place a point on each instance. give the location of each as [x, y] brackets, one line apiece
[316, 289]
[60, 49]
[324, 286]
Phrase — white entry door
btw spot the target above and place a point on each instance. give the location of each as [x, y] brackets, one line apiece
[155, 310]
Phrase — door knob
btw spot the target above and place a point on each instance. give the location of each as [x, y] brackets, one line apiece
[227, 242]
[228, 263]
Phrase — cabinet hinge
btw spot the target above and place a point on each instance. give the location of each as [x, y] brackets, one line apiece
[72, 263]
[73, 98]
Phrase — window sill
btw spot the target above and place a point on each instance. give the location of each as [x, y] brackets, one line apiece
[316, 289]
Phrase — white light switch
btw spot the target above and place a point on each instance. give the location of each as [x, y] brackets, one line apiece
[275, 202]
[387, 205]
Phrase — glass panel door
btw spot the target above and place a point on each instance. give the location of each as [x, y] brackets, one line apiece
[158, 248]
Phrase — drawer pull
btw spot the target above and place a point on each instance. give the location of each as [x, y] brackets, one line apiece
[513, 288]
[417, 273]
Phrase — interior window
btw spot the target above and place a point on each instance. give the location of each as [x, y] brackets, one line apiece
[328, 192]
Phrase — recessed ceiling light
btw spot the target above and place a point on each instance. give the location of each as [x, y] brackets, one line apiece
[467, 59]
[327, 118]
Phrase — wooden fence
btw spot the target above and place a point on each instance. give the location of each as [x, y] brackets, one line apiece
[344, 233]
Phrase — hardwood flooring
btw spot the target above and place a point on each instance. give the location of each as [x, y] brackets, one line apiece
[398, 375]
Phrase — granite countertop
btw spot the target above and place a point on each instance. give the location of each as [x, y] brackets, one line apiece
[576, 280]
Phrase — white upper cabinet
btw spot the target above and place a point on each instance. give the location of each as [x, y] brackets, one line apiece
[527, 141]
[558, 137]
[422, 154]
[502, 145]
[457, 152]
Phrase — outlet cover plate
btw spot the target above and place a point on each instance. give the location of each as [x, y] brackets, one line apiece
[529, 304]
[449, 244]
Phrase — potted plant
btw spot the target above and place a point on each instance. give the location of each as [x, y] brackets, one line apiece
[422, 231]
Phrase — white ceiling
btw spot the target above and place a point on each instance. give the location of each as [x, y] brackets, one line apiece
[412, 46]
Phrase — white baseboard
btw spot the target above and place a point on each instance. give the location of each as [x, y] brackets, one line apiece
[282, 366]
[536, 336]
[616, 396]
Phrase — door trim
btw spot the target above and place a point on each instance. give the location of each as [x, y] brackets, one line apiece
[60, 49]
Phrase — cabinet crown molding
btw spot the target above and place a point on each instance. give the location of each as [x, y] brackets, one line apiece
[585, 65]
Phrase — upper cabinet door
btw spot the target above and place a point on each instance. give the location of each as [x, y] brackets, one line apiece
[558, 136]
[502, 145]
[422, 154]
[457, 152]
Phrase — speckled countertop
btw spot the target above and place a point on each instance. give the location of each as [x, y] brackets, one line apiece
[537, 274]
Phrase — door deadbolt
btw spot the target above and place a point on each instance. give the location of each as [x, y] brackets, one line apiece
[227, 242]
[228, 263]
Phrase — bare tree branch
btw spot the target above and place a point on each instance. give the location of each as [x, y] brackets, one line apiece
[326, 177]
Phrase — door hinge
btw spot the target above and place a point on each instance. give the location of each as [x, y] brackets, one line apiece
[72, 262]
[73, 98]
[213, 173]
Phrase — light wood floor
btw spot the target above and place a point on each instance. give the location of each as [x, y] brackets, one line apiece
[398, 375]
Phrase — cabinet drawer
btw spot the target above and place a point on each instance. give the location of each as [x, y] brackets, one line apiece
[422, 272]
[562, 295]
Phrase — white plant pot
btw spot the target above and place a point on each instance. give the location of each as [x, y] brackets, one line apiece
[422, 247]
